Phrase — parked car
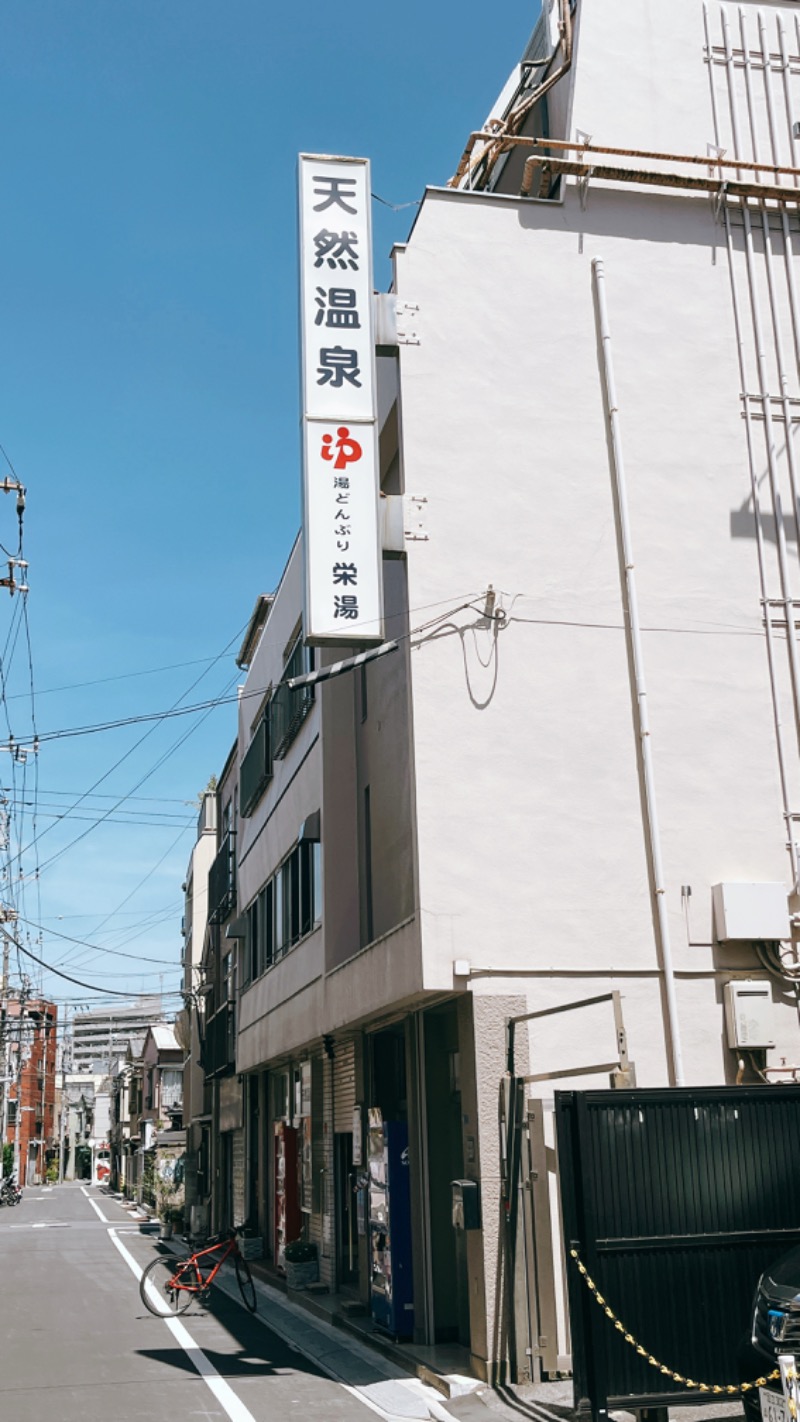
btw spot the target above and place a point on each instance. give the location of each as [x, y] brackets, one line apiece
[775, 1329]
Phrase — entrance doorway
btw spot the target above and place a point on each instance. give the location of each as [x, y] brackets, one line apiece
[445, 1163]
[346, 1210]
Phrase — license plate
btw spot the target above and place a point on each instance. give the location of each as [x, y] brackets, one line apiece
[773, 1406]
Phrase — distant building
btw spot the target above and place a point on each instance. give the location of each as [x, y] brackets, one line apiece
[30, 1069]
[100, 1036]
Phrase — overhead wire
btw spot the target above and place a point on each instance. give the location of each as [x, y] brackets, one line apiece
[136, 746]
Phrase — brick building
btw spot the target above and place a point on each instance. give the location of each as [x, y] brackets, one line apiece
[29, 1119]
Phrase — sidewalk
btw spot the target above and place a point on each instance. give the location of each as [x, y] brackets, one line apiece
[388, 1387]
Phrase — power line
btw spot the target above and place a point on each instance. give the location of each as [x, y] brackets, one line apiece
[124, 757]
[91, 987]
[97, 947]
[121, 676]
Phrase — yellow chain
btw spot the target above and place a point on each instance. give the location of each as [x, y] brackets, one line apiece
[654, 1363]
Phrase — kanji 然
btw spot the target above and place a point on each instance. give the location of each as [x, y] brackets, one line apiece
[345, 606]
[338, 249]
[334, 192]
[337, 365]
[337, 308]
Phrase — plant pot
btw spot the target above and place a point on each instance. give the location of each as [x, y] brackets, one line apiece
[165, 1232]
[299, 1276]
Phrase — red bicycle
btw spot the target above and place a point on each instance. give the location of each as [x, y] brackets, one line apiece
[168, 1285]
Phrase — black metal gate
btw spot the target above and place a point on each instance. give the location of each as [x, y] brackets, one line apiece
[675, 1201]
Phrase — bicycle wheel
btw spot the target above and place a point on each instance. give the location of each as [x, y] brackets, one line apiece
[244, 1279]
[157, 1289]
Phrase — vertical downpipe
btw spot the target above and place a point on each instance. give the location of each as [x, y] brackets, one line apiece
[651, 813]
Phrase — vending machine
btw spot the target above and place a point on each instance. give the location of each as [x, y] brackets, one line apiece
[288, 1221]
[391, 1281]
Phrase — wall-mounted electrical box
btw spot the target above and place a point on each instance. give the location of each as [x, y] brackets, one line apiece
[466, 1207]
[751, 911]
[748, 1013]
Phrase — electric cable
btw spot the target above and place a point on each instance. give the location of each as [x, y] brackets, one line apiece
[97, 947]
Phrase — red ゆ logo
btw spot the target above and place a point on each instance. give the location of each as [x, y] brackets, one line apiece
[347, 450]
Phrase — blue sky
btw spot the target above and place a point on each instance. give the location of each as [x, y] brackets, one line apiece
[149, 384]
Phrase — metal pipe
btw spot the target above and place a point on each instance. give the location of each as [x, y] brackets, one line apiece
[508, 140]
[651, 812]
[768, 255]
[653, 177]
[763, 380]
[496, 144]
[757, 515]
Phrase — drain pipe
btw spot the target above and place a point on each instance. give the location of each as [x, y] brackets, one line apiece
[651, 815]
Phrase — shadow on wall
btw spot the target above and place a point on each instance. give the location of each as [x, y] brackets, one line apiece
[492, 621]
[743, 524]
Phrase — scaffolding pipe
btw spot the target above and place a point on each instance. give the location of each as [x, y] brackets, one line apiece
[763, 383]
[651, 813]
[768, 256]
[757, 515]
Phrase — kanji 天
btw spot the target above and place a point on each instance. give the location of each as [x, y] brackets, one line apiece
[337, 365]
[338, 249]
[337, 308]
[345, 606]
[334, 192]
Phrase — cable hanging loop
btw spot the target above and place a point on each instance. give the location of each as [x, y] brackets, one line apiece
[731, 1389]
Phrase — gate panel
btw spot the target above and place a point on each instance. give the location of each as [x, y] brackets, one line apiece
[676, 1200]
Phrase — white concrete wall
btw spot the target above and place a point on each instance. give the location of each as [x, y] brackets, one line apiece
[532, 853]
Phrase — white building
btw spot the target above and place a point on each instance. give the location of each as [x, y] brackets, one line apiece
[592, 717]
[101, 1034]
[196, 1096]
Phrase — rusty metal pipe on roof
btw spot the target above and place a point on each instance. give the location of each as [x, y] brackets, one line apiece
[508, 127]
[652, 178]
[706, 161]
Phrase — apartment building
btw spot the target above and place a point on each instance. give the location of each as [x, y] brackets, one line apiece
[100, 1035]
[577, 773]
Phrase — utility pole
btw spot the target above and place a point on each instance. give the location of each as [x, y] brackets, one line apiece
[6, 916]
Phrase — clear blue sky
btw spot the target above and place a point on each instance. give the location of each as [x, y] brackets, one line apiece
[149, 380]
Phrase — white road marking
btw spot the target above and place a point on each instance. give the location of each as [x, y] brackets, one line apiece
[97, 1210]
[43, 1224]
[223, 1392]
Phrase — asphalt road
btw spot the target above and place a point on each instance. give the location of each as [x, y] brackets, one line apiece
[78, 1345]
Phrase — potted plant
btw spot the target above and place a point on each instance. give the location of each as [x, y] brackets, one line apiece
[165, 1195]
[301, 1264]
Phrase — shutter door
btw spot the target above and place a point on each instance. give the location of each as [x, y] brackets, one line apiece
[344, 1086]
[238, 1173]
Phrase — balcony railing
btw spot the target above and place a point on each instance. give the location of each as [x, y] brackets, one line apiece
[288, 710]
[219, 1051]
[256, 771]
[222, 881]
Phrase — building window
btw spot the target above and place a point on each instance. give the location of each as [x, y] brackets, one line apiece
[288, 907]
[288, 708]
[12, 1113]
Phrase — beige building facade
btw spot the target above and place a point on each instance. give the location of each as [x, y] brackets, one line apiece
[591, 716]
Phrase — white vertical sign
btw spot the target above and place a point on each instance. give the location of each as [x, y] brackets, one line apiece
[342, 546]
